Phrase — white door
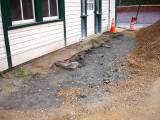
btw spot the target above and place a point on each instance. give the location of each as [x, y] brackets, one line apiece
[90, 18]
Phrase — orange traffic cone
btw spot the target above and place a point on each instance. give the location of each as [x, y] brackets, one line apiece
[112, 26]
[132, 25]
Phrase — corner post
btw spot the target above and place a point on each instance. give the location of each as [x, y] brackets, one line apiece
[6, 21]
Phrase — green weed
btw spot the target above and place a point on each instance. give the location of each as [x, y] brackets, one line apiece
[30, 73]
[93, 42]
[7, 75]
[14, 72]
[112, 35]
[1, 75]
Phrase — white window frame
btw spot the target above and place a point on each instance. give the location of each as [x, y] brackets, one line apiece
[25, 21]
[49, 10]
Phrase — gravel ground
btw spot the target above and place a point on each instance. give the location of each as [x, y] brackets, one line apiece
[98, 67]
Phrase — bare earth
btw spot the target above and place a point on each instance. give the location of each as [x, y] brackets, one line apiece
[133, 97]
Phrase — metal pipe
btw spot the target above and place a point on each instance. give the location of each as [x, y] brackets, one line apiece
[109, 16]
[138, 8]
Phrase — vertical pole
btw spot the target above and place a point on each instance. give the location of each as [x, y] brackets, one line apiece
[64, 21]
[119, 2]
[86, 18]
[109, 16]
[115, 13]
[95, 16]
[138, 8]
[6, 21]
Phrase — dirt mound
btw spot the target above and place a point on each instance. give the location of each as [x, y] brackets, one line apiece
[146, 57]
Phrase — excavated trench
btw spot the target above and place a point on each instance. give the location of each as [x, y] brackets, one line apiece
[98, 67]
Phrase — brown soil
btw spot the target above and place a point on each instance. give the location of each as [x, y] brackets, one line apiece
[138, 99]
[146, 58]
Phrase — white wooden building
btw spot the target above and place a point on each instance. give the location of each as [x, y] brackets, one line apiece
[33, 28]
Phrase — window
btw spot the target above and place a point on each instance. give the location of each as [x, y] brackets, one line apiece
[27, 11]
[90, 4]
[49, 9]
[22, 11]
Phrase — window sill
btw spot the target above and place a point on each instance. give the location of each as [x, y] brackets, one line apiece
[32, 24]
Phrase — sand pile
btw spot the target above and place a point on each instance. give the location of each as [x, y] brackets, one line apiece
[146, 58]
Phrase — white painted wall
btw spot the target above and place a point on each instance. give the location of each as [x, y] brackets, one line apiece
[3, 56]
[34, 41]
[73, 21]
[112, 7]
[105, 8]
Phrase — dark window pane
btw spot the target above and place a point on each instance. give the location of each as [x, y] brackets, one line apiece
[53, 7]
[27, 9]
[15, 10]
[45, 8]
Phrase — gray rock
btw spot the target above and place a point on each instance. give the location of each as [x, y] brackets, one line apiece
[116, 70]
[107, 46]
[122, 65]
[133, 72]
[81, 57]
[0, 89]
[16, 83]
[109, 76]
[101, 63]
[106, 81]
[71, 65]
[106, 90]
[82, 95]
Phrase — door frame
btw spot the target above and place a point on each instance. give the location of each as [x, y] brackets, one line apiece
[97, 18]
[84, 19]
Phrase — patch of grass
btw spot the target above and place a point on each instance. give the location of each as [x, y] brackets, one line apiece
[1, 75]
[21, 73]
[18, 73]
[80, 48]
[93, 42]
[7, 75]
[30, 73]
[78, 43]
[112, 35]
[14, 72]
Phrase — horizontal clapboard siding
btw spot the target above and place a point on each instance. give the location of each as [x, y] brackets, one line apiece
[73, 21]
[3, 56]
[105, 8]
[35, 41]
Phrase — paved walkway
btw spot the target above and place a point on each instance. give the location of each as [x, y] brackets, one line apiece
[143, 17]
